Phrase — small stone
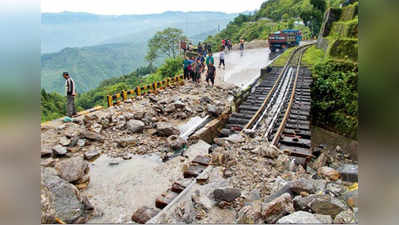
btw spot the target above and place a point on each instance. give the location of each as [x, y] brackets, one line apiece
[162, 201]
[59, 150]
[170, 108]
[279, 207]
[250, 214]
[325, 219]
[202, 160]
[176, 142]
[113, 162]
[212, 110]
[91, 154]
[135, 126]
[328, 172]
[93, 136]
[166, 129]
[143, 214]
[298, 217]
[47, 162]
[226, 194]
[64, 141]
[81, 142]
[127, 156]
[320, 161]
[249, 132]
[345, 217]
[45, 152]
[227, 173]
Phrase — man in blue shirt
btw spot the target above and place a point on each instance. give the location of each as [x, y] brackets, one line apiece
[186, 63]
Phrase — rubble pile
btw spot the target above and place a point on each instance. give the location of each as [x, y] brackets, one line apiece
[144, 125]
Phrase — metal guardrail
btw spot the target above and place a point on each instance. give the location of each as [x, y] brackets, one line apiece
[143, 90]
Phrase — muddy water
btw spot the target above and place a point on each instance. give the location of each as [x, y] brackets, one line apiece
[118, 190]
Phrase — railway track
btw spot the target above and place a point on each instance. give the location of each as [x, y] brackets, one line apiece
[280, 106]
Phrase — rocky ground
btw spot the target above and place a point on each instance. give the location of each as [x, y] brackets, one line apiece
[143, 125]
[247, 181]
[263, 185]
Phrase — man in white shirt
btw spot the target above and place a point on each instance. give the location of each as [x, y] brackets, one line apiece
[70, 94]
[221, 59]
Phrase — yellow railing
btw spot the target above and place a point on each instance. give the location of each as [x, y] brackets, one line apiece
[143, 90]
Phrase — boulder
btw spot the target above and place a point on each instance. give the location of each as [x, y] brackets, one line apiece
[335, 189]
[47, 205]
[327, 205]
[67, 200]
[213, 110]
[72, 169]
[176, 142]
[92, 136]
[250, 214]
[143, 214]
[298, 217]
[328, 172]
[294, 188]
[166, 129]
[226, 194]
[59, 150]
[345, 217]
[135, 126]
[277, 208]
[139, 115]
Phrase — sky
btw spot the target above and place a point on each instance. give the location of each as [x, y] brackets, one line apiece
[121, 7]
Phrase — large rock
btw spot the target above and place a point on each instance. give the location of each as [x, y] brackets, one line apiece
[226, 194]
[166, 129]
[295, 188]
[135, 126]
[175, 142]
[279, 207]
[68, 204]
[328, 172]
[143, 214]
[213, 110]
[345, 217]
[250, 214]
[327, 205]
[59, 150]
[299, 217]
[92, 136]
[47, 205]
[64, 141]
[320, 161]
[72, 169]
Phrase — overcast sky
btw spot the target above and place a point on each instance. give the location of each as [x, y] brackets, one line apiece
[119, 7]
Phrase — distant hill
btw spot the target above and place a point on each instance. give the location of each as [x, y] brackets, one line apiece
[71, 29]
[96, 47]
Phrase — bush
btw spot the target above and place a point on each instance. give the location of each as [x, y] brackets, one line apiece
[335, 97]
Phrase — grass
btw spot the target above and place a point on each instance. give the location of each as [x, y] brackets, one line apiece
[312, 56]
[282, 59]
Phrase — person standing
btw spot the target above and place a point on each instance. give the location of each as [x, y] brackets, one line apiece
[221, 59]
[209, 59]
[186, 64]
[197, 71]
[211, 73]
[70, 94]
[242, 46]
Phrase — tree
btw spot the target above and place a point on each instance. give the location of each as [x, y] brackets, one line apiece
[165, 42]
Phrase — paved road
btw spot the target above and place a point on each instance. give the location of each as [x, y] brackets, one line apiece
[242, 70]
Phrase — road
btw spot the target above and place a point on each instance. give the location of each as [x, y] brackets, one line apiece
[242, 70]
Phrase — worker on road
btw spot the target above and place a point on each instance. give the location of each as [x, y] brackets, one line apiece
[221, 58]
[211, 74]
[70, 94]
[209, 59]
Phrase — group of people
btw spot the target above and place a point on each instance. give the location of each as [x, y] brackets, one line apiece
[226, 44]
[194, 67]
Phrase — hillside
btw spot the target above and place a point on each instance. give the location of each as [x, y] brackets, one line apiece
[125, 39]
[70, 29]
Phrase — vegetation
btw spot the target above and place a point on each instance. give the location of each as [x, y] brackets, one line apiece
[52, 105]
[336, 96]
[283, 58]
[165, 42]
[312, 56]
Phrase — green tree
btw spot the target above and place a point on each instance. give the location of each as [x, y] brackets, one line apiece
[165, 42]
